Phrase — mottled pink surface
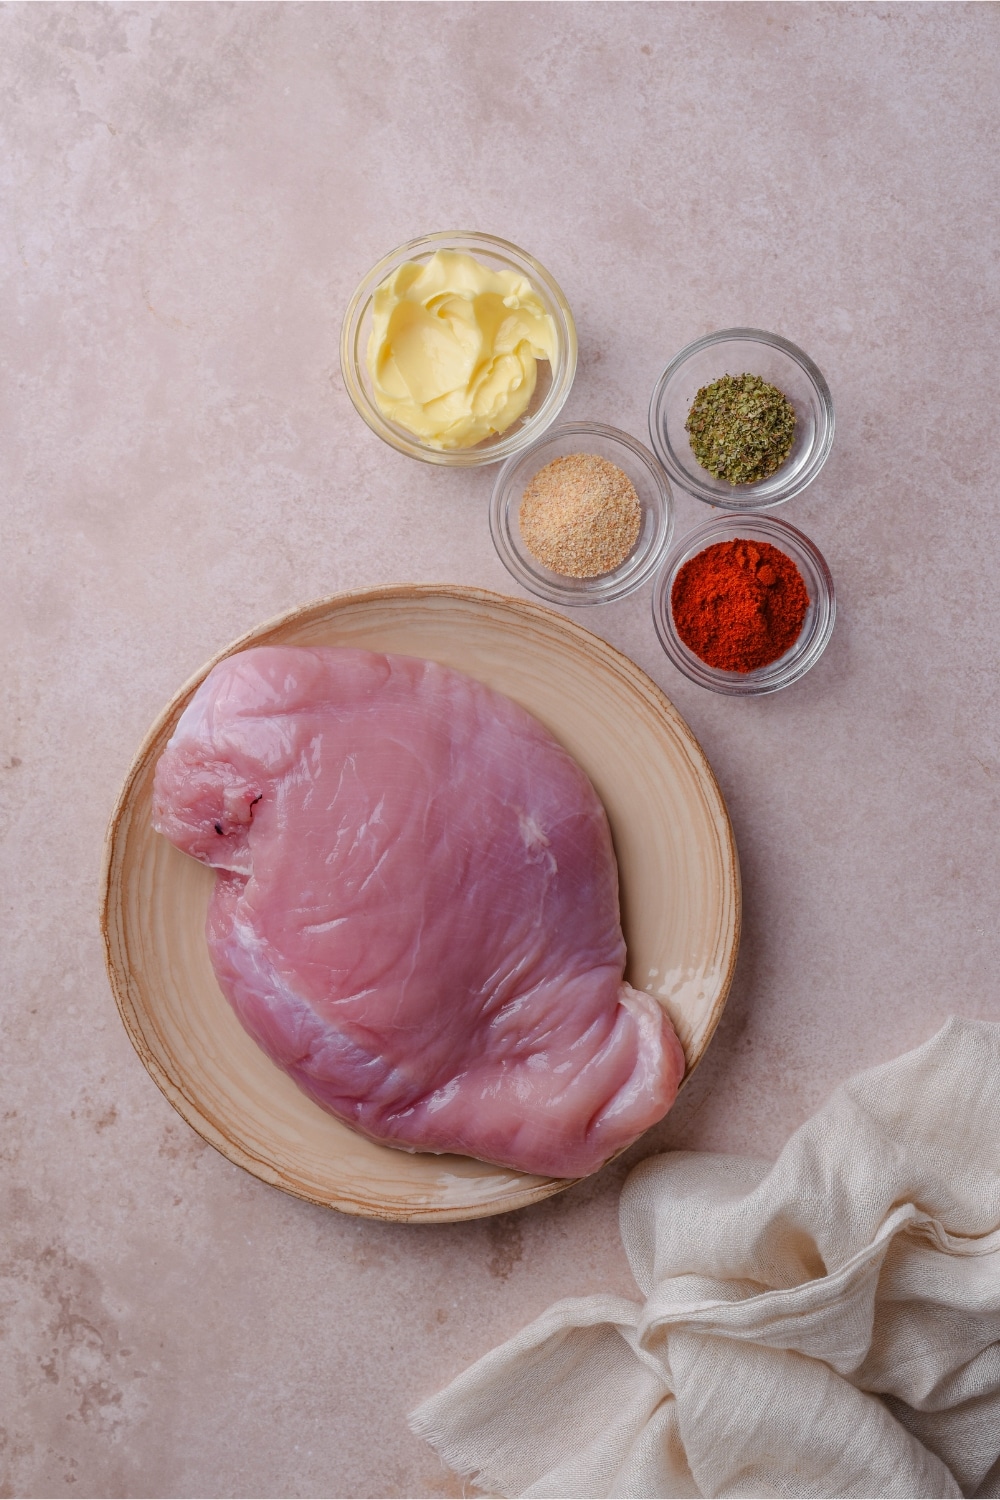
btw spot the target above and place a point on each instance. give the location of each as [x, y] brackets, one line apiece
[415, 911]
[191, 195]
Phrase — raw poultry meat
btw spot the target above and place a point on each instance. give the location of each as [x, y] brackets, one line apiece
[416, 910]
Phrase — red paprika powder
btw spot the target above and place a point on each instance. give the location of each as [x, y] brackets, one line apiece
[739, 605]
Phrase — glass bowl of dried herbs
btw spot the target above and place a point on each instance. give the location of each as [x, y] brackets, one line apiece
[744, 605]
[584, 515]
[742, 419]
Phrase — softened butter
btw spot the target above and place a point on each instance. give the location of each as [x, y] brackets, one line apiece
[453, 348]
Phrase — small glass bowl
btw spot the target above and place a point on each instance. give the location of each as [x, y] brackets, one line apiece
[740, 351]
[817, 627]
[554, 380]
[651, 487]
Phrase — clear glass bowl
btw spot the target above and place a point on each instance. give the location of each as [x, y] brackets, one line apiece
[816, 629]
[740, 351]
[650, 484]
[554, 381]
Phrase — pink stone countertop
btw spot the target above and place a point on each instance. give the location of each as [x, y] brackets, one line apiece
[190, 195]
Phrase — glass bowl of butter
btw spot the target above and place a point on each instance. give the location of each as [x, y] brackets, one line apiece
[458, 349]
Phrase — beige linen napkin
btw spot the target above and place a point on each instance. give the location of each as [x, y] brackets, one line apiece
[825, 1326]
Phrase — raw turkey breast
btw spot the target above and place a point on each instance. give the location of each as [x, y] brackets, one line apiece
[416, 912]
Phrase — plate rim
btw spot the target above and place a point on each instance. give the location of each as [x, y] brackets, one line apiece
[193, 1111]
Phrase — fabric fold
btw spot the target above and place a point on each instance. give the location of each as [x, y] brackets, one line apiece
[828, 1325]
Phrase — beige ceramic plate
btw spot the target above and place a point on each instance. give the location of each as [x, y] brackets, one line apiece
[679, 884]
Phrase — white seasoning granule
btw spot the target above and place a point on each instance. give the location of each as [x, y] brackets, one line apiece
[580, 516]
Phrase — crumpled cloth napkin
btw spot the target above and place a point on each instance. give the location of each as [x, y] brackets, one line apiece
[825, 1326]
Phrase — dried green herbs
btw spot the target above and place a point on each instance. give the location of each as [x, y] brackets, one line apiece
[741, 428]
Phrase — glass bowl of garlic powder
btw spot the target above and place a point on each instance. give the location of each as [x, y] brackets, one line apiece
[583, 516]
[458, 349]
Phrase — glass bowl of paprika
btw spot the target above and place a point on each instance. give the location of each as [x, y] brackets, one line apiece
[744, 605]
[742, 419]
